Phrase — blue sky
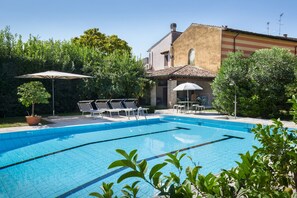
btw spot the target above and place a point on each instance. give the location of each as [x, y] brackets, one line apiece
[142, 22]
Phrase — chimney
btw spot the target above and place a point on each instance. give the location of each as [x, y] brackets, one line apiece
[285, 35]
[173, 27]
[225, 27]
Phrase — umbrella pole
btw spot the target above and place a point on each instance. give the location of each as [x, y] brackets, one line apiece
[53, 96]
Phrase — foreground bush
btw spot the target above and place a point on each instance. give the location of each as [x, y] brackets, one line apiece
[269, 172]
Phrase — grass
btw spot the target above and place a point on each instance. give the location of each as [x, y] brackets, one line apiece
[16, 122]
[21, 121]
[211, 110]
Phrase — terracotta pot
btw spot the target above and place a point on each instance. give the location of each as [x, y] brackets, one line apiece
[33, 120]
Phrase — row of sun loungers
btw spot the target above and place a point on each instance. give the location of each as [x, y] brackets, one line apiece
[112, 106]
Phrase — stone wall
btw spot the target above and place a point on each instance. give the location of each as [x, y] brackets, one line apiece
[171, 94]
[154, 95]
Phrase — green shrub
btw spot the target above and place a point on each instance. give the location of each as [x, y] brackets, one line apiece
[263, 83]
[151, 109]
[117, 74]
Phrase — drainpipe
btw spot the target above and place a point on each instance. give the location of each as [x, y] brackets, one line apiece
[234, 38]
[171, 52]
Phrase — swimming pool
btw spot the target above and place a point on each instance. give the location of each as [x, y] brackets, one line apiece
[72, 161]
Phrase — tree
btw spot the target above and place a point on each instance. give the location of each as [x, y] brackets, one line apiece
[291, 89]
[110, 68]
[32, 93]
[260, 82]
[105, 44]
[117, 75]
[231, 78]
[271, 70]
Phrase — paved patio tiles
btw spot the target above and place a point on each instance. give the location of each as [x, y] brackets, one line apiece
[61, 121]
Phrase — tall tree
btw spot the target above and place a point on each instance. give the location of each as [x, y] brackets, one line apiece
[117, 75]
[105, 44]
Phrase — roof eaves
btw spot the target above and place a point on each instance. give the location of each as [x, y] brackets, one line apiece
[187, 76]
[159, 41]
[199, 24]
[259, 34]
[178, 69]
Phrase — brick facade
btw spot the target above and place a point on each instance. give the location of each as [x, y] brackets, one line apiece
[250, 43]
[205, 40]
[212, 44]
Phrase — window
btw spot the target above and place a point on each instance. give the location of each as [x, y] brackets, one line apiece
[191, 57]
[166, 59]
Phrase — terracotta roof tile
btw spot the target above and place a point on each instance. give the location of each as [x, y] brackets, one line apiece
[183, 71]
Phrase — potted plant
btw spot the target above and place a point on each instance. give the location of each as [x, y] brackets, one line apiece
[32, 93]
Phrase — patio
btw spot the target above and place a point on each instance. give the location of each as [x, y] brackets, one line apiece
[86, 119]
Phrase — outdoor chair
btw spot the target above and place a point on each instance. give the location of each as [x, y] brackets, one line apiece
[117, 104]
[198, 107]
[85, 106]
[131, 104]
[102, 104]
[179, 107]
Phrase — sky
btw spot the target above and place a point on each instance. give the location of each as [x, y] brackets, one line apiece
[143, 22]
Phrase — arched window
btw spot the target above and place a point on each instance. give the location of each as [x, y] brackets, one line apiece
[191, 57]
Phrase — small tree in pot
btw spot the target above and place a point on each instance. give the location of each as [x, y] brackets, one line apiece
[32, 93]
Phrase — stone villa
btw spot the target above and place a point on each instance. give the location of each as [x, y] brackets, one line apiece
[196, 54]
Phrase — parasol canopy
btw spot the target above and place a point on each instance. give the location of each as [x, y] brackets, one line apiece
[186, 87]
[54, 75]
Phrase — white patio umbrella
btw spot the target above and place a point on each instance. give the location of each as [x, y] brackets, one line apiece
[54, 75]
[186, 87]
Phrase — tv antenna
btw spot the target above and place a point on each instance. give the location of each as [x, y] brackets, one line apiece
[268, 27]
[280, 23]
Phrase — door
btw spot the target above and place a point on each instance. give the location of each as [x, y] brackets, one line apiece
[165, 97]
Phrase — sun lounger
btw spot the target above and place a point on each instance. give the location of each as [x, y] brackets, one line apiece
[118, 105]
[103, 105]
[131, 104]
[85, 106]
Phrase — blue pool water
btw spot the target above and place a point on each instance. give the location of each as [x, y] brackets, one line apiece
[73, 161]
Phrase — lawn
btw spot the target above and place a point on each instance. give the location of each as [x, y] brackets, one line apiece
[21, 121]
[16, 121]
